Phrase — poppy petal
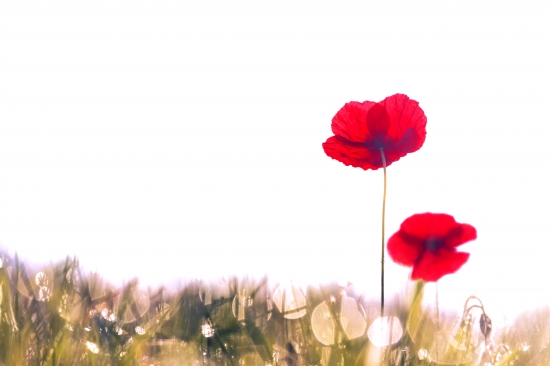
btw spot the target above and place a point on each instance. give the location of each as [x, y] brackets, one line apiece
[410, 142]
[350, 153]
[405, 114]
[429, 225]
[433, 265]
[460, 235]
[350, 121]
[403, 249]
[378, 121]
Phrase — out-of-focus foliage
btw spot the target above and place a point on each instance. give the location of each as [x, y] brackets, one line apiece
[59, 315]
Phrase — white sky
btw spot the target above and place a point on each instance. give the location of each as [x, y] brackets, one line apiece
[178, 140]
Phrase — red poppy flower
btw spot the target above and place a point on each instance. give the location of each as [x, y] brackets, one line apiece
[397, 124]
[428, 242]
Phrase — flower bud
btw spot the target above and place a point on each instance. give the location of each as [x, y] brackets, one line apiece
[486, 325]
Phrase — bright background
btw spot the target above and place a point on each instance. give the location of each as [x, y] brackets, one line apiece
[178, 140]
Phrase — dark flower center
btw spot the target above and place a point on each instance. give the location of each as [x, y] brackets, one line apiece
[376, 143]
[432, 244]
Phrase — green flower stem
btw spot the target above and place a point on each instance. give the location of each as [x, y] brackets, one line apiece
[383, 242]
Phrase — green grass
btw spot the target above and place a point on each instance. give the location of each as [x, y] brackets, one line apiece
[60, 316]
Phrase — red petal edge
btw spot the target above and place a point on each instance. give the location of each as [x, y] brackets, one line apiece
[432, 266]
[351, 155]
[403, 249]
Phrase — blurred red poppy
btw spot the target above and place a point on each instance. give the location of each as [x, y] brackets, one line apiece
[428, 242]
[397, 124]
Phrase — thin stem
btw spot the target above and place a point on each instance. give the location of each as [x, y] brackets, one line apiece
[437, 318]
[476, 306]
[437, 302]
[383, 242]
[466, 309]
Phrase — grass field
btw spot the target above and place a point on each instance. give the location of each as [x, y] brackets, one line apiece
[59, 315]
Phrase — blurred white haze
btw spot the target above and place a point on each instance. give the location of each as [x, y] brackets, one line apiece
[175, 140]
